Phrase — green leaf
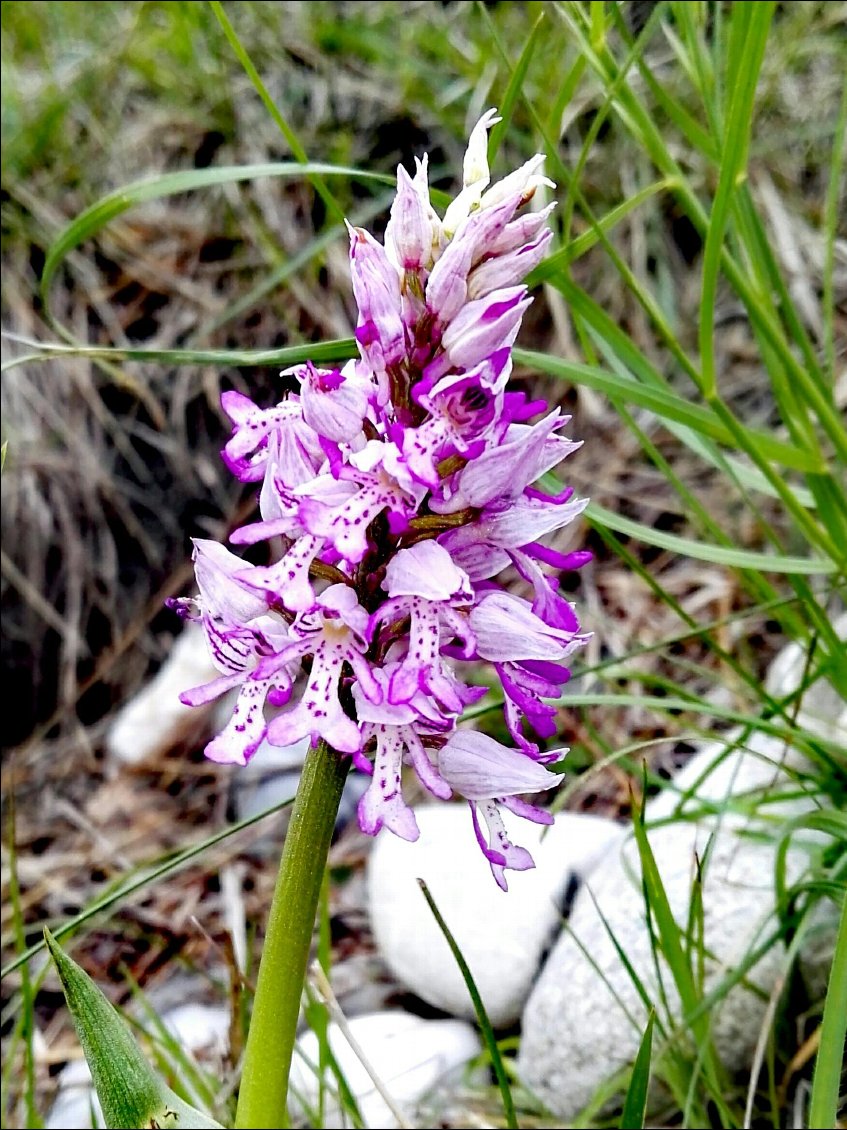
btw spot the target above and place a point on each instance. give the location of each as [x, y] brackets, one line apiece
[635, 1103]
[671, 947]
[130, 1092]
[826, 1083]
[513, 90]
[339, 350]
[582, 244]
[285, 129]
[748, 39]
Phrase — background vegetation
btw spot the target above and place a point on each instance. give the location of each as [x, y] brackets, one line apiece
[692, 319]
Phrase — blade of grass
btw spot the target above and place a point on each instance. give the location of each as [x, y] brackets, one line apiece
[583, 243]
[640, 122]
[672, 949]
[635, 1103]
[722, 555]
[834, 193]
[279, 274]
[321, 984]
[748, 36]
[243, 56]
[94, 218]
[481, 1015]
[27, 1026]
[339, 350]
[666, 404]
[826, 1081]
[513, 90]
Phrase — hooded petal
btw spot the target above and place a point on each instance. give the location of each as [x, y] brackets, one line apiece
[507, 630]
[376, 285]
[224, 597]
[484, 325]
[409, 235]
[426, 570]
[335, 402]
[480, 768]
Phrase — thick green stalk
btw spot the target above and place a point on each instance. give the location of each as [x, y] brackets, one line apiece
[288, 938]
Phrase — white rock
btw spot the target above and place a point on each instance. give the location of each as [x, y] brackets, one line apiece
[822, 709]
[408, 1055]
[584, 1019]
[501, 934]
[155, 720]
[202, 1029]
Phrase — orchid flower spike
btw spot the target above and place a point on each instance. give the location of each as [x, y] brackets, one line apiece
[399, 488]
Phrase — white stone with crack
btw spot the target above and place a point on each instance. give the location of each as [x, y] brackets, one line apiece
[502, 935]
[585, 1017]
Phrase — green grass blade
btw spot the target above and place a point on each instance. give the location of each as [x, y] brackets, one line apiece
[667, 405]
[95, 218]
[339, 350]
[289, 268]
[583, 243]
[27, 1021]
[721, 555]
[297, 149]
[635, 1103]
[834, 194]
[670, 939]
[481, 1015]
[513, 90]
[697, 706]
[823, 1106]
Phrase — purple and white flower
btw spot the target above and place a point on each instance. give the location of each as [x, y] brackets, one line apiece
[401, 484]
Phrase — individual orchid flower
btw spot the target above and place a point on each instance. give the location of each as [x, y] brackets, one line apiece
[380, 332]
[475, 174]
[413, 230]
[424, 585]
[246, 452]
[335, 401]
[346, 526]
[463, 409]
[240, 634]
[488, 775]
[334, 637]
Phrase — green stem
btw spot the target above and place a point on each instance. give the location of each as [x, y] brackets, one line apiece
[288, 939]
